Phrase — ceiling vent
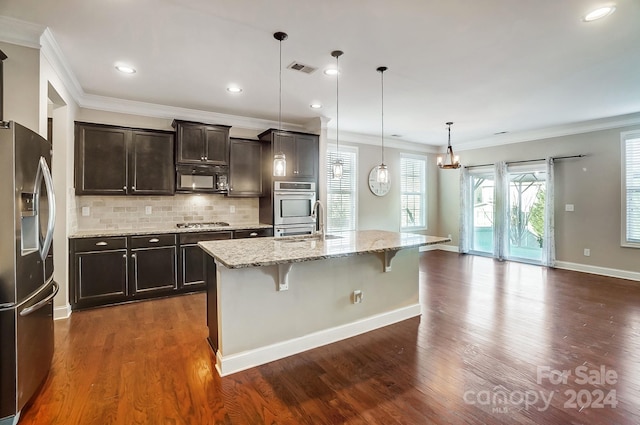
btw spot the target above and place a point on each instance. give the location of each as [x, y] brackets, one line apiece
[297, 66]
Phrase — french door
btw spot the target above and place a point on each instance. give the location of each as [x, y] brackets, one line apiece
[506, 212]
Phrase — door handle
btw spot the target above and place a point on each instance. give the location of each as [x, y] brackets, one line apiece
[44, 173]
[42, 303]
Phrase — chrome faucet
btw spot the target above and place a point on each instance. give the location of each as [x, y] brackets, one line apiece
[314, 216]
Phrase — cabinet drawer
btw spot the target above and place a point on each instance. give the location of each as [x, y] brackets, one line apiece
[193, 238]
[100, 244]
[150, 241]
[253, 233]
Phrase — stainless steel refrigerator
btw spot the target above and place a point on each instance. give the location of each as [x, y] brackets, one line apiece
[27, 216]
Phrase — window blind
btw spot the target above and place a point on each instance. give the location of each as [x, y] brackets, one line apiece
[631, 181]
[342, 193]
[412, 191]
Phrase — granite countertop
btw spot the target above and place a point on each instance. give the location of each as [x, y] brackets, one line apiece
[162, 230]
[240, 253]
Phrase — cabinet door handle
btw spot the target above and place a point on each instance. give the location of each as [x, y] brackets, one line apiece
[154, 240]
[124, 255]
[206, 158]
[102, 243]
[133, 255]
[124, 187]
[253, 234]
[133, 188]
[202, 158]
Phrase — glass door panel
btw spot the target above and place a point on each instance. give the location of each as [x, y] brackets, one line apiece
[526, 224]
[482, 191]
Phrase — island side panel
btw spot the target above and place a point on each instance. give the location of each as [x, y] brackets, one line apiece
[212, 302]
[253, 314]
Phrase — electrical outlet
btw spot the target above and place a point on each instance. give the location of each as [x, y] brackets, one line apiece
[587, 252]
[569, 207]
[357, 296]
[148, 210]
[232, 209]
[86, 211]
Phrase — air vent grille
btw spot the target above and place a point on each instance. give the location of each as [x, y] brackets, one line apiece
[297, 66]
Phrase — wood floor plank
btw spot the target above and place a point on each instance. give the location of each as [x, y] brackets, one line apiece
[486, 329]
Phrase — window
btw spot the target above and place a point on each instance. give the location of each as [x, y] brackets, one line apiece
[412, 191]
[342, 194]
[631, 188]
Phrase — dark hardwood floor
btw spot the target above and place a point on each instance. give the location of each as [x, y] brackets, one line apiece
[487, 349]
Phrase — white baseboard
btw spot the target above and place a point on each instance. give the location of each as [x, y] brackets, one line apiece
[450, 248]
[227, 365]
[603, 271]
[62, 312]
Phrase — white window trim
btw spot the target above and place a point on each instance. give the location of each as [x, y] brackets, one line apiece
[624, 136]
[353, 149]
[424, 183]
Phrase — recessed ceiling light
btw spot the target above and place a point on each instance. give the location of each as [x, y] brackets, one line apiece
[234, 89]
[599, 13]
[126, 69]
[315, 106]
[331, 71]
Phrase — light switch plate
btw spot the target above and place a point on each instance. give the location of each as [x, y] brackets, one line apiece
[86, 211]
[148, 210]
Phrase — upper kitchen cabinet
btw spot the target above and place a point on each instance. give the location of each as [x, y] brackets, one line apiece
[245, 168]
[112, 160]
[199, 143]
[301, 152]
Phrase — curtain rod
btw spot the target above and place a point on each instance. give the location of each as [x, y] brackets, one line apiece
[528, 160]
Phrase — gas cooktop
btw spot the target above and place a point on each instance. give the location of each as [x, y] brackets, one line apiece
[201, 225]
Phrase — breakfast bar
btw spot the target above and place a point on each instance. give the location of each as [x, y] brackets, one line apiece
[270, 298]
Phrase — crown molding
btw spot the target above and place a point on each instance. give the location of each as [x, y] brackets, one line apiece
[555, 131]
[367, 139]
[111, 104]
[53, 54]
[21, 33]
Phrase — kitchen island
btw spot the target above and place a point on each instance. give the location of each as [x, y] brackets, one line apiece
[270, 298]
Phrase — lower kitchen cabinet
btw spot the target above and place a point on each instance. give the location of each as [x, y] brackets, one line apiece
[100, 271]
[119, 269]
[154, 264]
[192, 257]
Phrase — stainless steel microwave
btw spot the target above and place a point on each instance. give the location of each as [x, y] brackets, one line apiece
[202, 178]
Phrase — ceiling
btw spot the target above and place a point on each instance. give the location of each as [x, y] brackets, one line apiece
[489, 66]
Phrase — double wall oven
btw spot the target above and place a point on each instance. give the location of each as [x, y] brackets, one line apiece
[293, 207]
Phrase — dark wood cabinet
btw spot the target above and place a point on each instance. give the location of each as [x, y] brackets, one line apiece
[100, 271]
[119, 269]
[192, 257]
[199, 143]
[153, 264]
[152, 163]
[301, 151]
[245, 168]
[113, 160]
[101, 160]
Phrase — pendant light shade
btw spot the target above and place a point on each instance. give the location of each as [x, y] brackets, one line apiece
[336, 167]
[279, 159]
[450, 161]
[382, 173]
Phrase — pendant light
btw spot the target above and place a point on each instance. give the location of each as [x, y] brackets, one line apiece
[279, 159]
[451, 161]
[337, 166]
[382, 174]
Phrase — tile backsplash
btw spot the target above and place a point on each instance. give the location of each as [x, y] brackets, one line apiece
[148, 212]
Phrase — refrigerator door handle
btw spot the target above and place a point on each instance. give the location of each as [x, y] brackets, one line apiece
[43, 172]
[27, 311]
